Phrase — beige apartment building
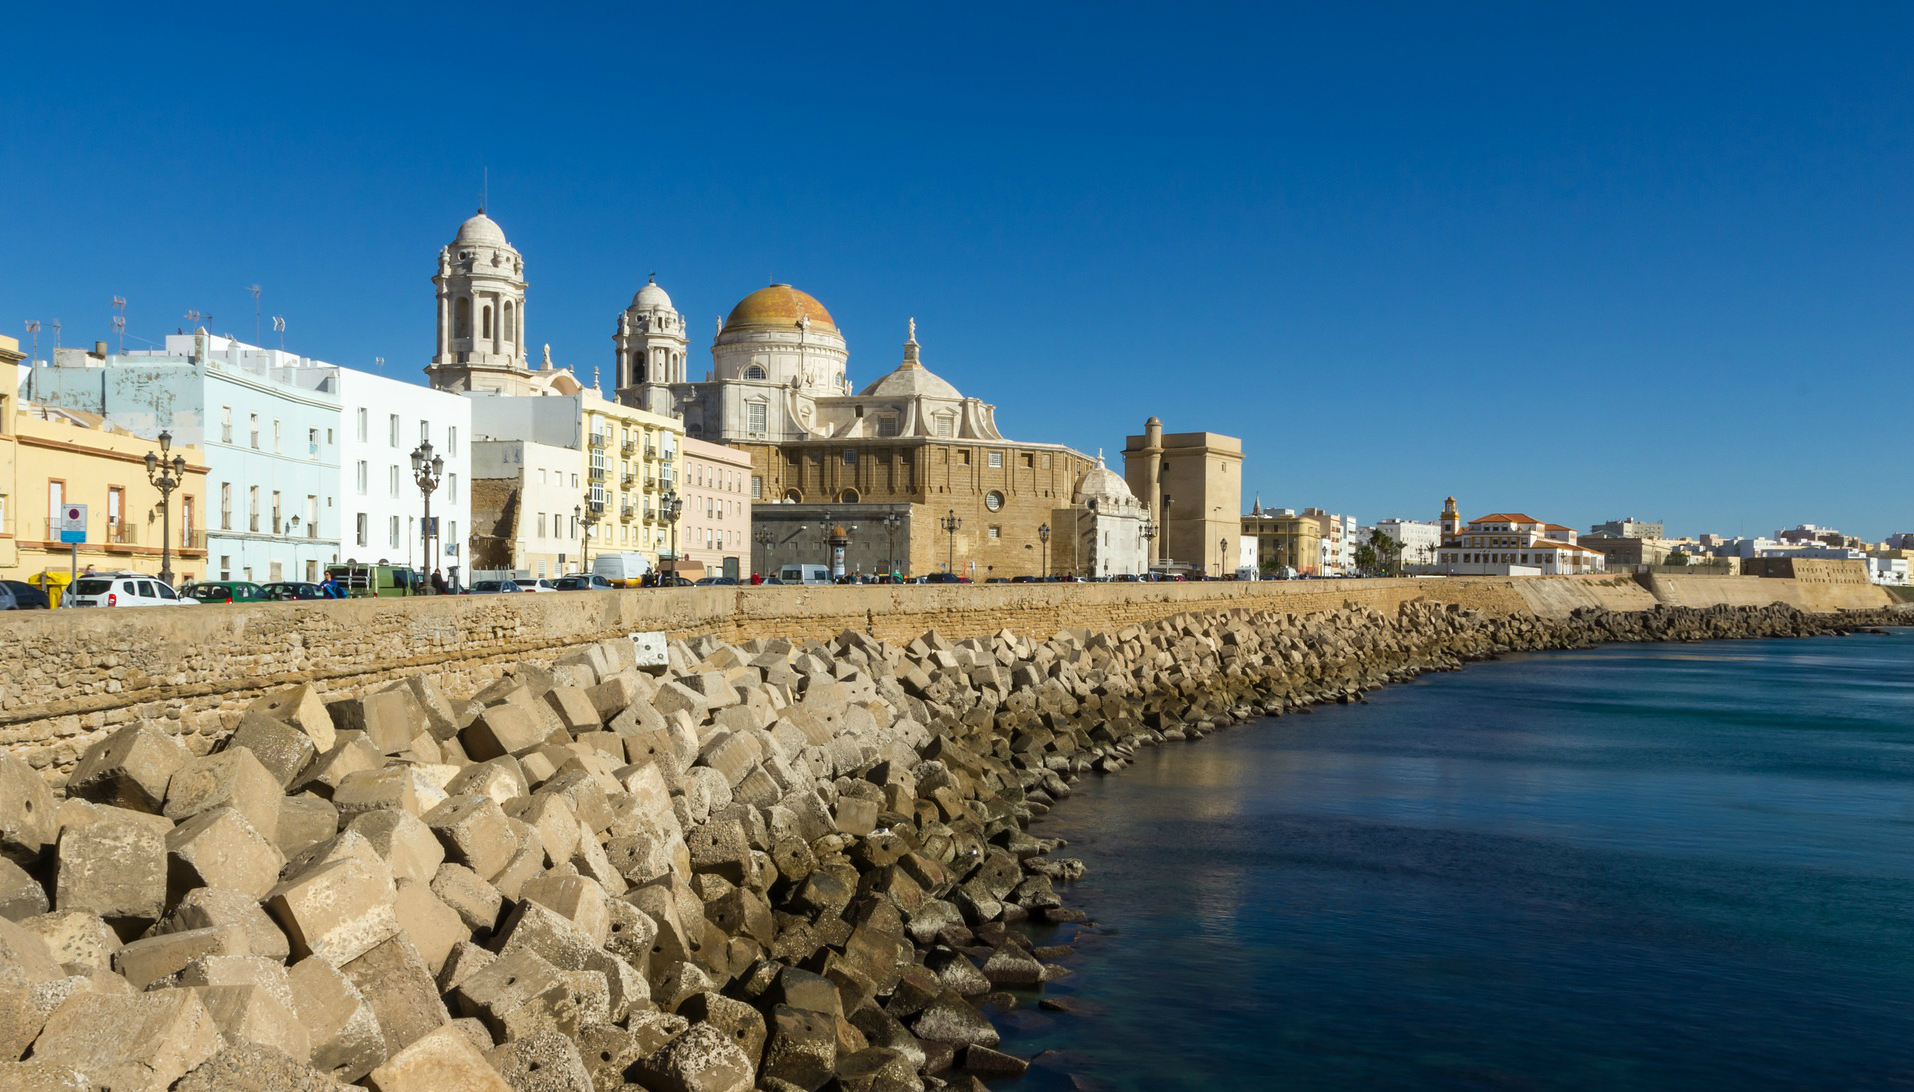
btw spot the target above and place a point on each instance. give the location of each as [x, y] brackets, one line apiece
[714, 484]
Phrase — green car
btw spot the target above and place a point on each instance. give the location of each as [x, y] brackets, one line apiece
[228, 591]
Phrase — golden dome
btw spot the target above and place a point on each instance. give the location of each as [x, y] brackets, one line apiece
[779, 305]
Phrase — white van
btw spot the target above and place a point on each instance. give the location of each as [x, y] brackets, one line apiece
[621, 570]
[123, 589]
[805, 574]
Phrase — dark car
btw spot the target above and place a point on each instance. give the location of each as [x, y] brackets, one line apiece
[286, 591]
[945, 578]
[590, 582]
[228, 591]
[20, 595]
[493, 587]
[708, 581]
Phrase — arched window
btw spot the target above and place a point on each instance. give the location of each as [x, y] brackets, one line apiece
[849, 496]
[754, 372]
[795, 496]
[637, 367]
[511, 331]
[462, 318]
[485, 322]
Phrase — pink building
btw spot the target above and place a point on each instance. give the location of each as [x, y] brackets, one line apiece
[715, 483]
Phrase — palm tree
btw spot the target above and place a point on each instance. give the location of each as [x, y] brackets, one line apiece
[1385, 551]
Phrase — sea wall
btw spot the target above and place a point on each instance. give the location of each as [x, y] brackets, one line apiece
[69, 677]
[1813, 592]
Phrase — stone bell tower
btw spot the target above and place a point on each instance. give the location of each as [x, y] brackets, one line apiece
[481, 301]
[650, 343]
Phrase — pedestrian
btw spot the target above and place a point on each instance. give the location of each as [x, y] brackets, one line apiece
[438, 582]
[756, 579]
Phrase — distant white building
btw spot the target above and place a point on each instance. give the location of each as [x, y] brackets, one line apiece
[1511, 544]
[1420, 539]
[381, 508]
[1338, 545]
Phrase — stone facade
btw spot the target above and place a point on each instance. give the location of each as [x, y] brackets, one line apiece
[1192, 484]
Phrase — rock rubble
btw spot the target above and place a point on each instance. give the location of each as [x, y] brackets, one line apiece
[696, 868]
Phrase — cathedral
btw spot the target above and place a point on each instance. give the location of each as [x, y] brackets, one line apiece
[906, 474]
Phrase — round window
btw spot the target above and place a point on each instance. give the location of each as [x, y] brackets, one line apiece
[993, 500]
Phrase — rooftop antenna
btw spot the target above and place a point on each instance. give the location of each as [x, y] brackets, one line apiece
[56, 339]
[193, 316]
[119, 321]
[254, 289]
[379, 362]
[279, 327]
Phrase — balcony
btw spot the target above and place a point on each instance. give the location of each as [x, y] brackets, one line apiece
[597, 473]
[252, 523]
[628, 448]
[628, 478]
[651, 484]
[121, 533]
[599, 440]
[651, 451]
[226, 520]
[626, 512]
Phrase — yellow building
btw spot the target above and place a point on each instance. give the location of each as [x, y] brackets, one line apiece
[51, 458]
[1285, 540]
[631, 460]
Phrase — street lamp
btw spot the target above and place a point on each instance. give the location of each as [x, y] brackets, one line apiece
[166, 476]
[670, 508]
[587, 516]
[950, 523]
[892, 522]
[763, 538]
[1043, 536]
[1222, 557]
[1148, 531]
[427, 470]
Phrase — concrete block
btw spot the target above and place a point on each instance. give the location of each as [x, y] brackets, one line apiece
[475, 832]
[856, 816]
[21, 896]
[502, 730]
[703, 1059]
[438, 1062]
[398, 986]
[553, 818]
[337, 910]
[574, 708]
[27, 808]
[349, 755]
[39, 1076]
[591, 860]
[146, 961]
[402, 787]
[142, 1041]
[585, 786]
[497, 992]
[305, 820]
[537, 928]
[542, 1062]
[229, 779]
[608, 1050]
[344, 1031]
[465, 960]
[128, 769]
[219, 848]
[675, 697]
[410, 848]
[431, 925]
[440, 719]
[242, 1066]
[257, 1013]
[390, 718]
[211, 907]
[648, 651]
[477, 903]
[741, 1023]
[304, 709]
[75, 938]
[500, 778]
[527, 862]
[114, 865]
[801, 1047]
[578, 899]
[285, 751]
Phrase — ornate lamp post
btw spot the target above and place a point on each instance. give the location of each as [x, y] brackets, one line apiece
[950, 524]
[763, 538]
[1043, 536]
[670, 508]
[166, 476]
[892, 522]
[587, 516]
[1148, 531]
[1222, 557]
[427, 470]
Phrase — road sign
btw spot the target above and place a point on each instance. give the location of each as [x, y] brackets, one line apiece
[73, 523]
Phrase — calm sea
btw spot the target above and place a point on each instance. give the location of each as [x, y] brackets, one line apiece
[1640, 867]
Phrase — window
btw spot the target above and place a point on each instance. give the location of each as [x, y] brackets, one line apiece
[362, 425]
[541, 525]
[451, 441]
[850, 458]
[887, 425]
[361, 477]
[425, 431]
[312, 443]
[392, 430]
[226, 424]
[757, 487]
[252, 508]
[277, 527]
[996, 460]
[994, 532]
[254, 421]
[225, 566]
[392, 530]
[945, 426]
[225, 511]
[277, 444]
[359, 529]
[452, 485]
[461, 320]
[993, 500]
[754, 418]
[392, 473]
[754, 372]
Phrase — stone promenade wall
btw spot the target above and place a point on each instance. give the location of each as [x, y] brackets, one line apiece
[68, 677]
[1813, 595]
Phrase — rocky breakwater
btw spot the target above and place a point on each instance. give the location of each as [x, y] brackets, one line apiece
[699, 867]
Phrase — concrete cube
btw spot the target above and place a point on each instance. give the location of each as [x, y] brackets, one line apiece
[337, 911]
[502, 730]
[402, 787]
[703, 1059]
[21, 896]
[219, 848]
[578, 899]
[285, 751]
[674, 697]
[498, 991]
[346, 1039]
[553, 818]
[250, 999]
[431, 925]
[396, 983]
[76, 938]
[574, 708]
[500, 778]
[477, 903]
[128, 769]
[542, 1062]
[27, 824]
[475, 832]
[146, 961]
[409, 847]
[229, 779]
[210, 907]
[349, 755]
[132, 1041]
[304, 709]
[305, 820]
[437, 1062]
[390, 718]
[114, 865]
[537, 928]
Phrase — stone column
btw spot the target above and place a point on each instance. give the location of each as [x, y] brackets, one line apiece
[498, 322]
[1153, 456]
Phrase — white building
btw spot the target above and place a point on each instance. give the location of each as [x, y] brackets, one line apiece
[1420, 539]
[381, 509]
[1105, 526]
[530, 499]
[1511, 544]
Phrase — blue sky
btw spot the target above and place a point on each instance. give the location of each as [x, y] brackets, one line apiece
[1587, 261]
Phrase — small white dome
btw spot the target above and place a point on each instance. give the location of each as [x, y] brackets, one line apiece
[480, 230]
[1105, 486]
[651, 298]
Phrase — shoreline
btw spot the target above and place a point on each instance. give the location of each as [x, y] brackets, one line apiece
[760, 865]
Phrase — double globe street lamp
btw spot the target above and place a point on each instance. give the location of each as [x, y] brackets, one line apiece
[427, 470]
[587, 516]
[166, 476]
[670, 508]
[950, 523]
[1043, 536]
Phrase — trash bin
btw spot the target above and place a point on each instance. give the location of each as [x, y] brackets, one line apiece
[52, 583]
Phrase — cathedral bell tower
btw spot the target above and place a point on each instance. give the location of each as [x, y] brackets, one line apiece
[1451, 522]
[481, 297]
[650, 343]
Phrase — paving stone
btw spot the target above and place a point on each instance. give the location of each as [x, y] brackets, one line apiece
[344, 1031]
[128, 769]
[219, 848]
[439, 1061]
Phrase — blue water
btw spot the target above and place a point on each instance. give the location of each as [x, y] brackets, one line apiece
[1639, 867]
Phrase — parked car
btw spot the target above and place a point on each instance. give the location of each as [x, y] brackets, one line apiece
[20, 595]
[945, 578]
[227, 591]
[711, 580]
[122, 589]
[671, 580]
[285, 591]
[494, 587]
[382, 581]
[584, 582]
[805, 574]
[623, 570]
[539, 584]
